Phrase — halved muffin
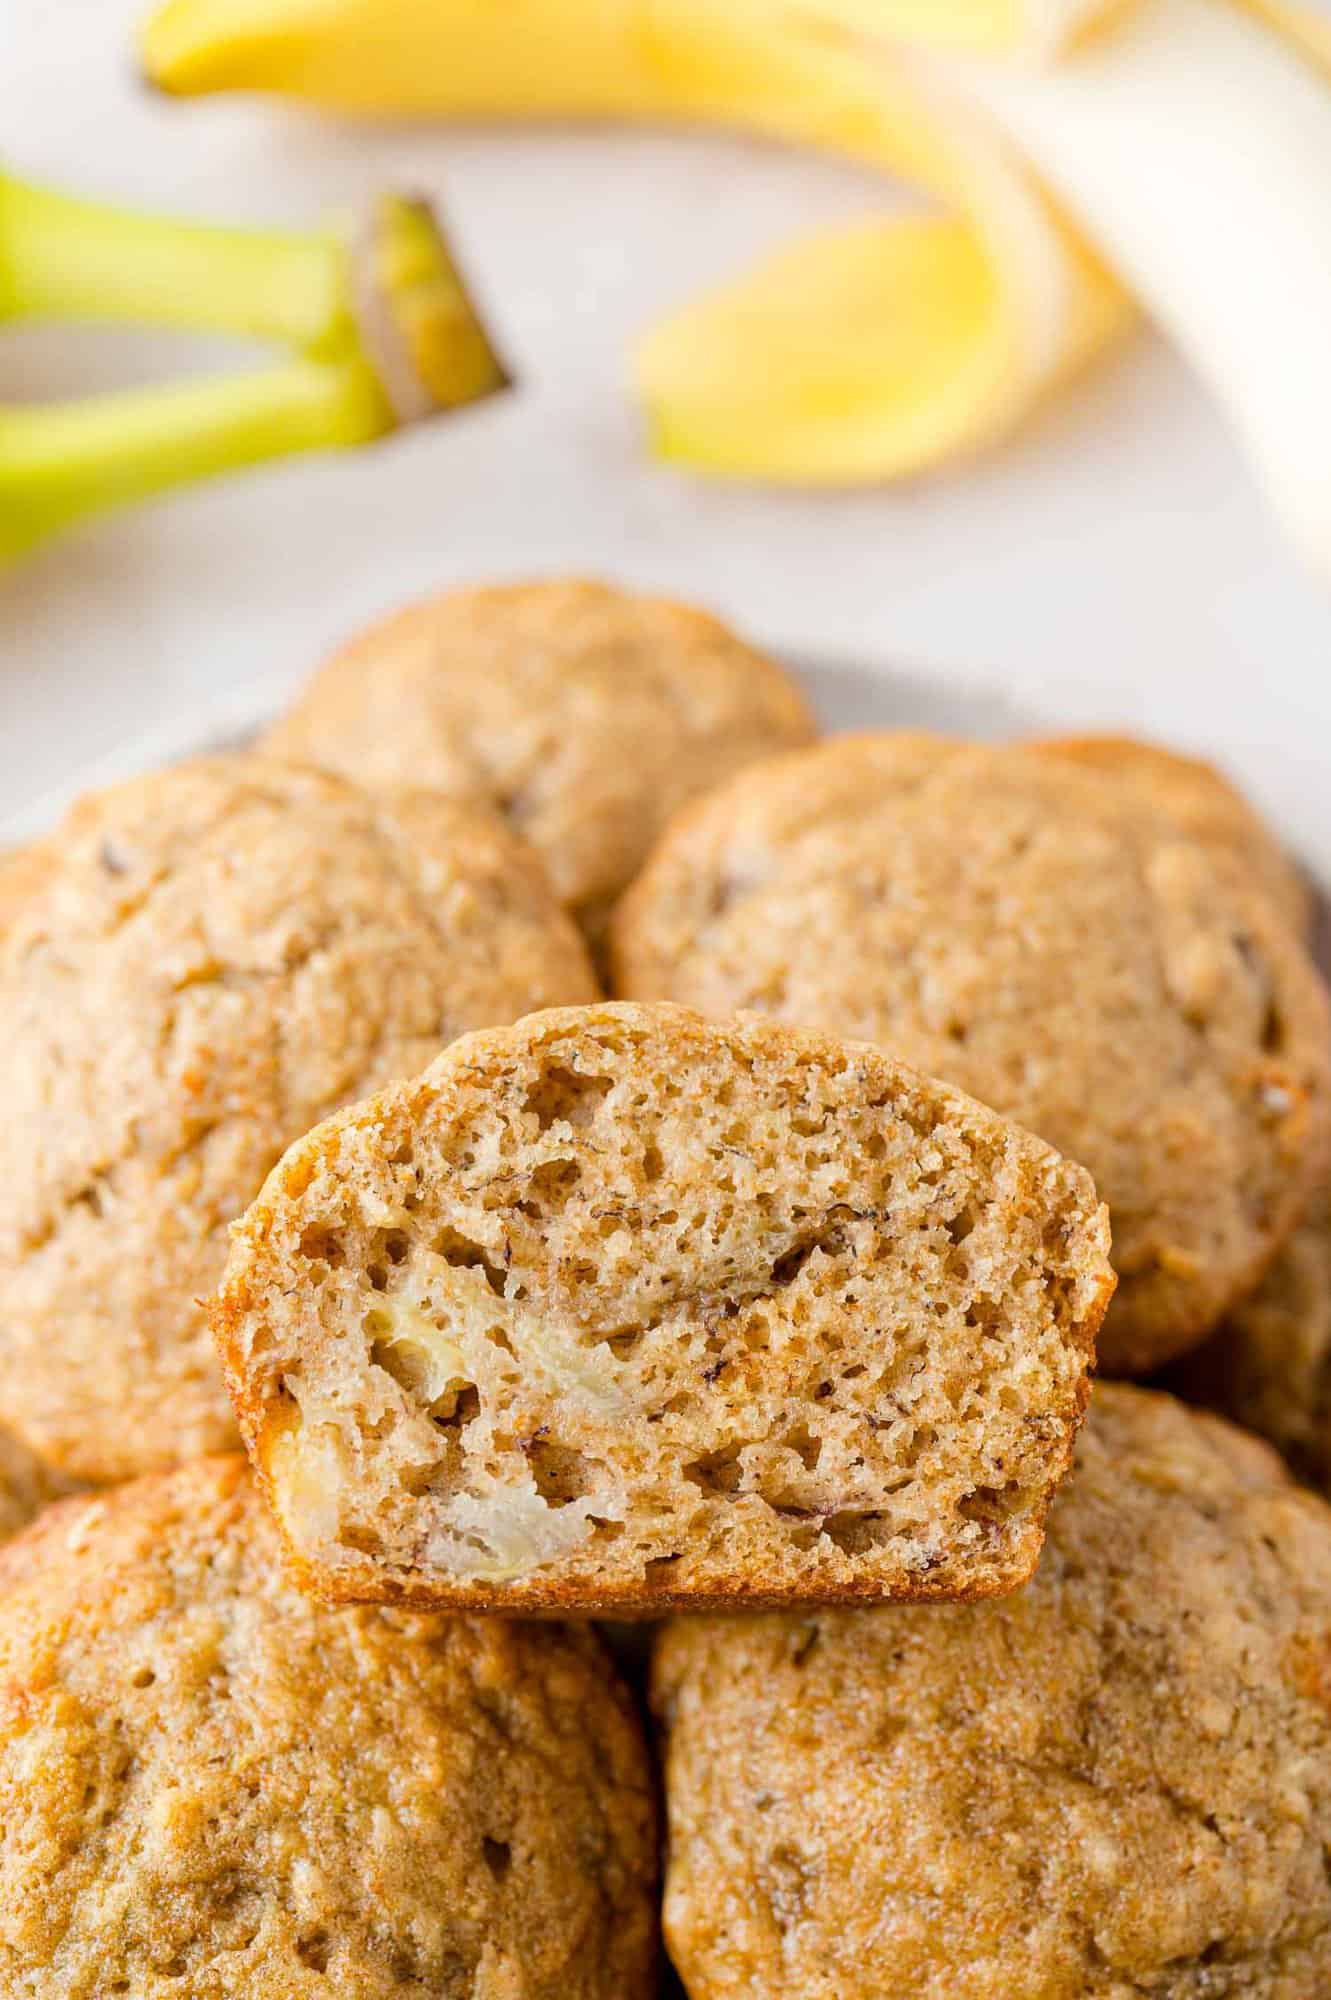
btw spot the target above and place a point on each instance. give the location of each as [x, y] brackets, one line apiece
[620, 1308]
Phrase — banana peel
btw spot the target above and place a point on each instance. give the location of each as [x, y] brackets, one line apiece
[1038, 29]
[1194, 147]
[380, 330]
[891, 346]
[842, 377]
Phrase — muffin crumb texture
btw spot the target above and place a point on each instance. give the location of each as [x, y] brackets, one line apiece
[1112, 1783]
[619, 1308]
[213, 1789]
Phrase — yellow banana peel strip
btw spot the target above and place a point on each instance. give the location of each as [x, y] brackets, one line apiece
[892, 345]
[864, 354]
[1039, 29]
[868, 352]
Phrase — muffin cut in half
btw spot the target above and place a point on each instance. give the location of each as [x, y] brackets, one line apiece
[620, 1308]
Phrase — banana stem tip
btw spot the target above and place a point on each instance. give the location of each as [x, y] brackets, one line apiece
[419, 327]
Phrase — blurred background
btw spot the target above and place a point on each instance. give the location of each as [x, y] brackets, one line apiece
[1111, 565]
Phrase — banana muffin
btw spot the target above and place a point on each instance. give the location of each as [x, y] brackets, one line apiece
[206, 962]
[619, 1308]
[1024, 927]
[585, 714]
[1201, 802]
[1114, 1782]
[211, 1787]
[1269, 1365]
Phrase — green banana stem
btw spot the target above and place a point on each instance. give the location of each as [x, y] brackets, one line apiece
[381, 325]
[61, 461]
[62, 258]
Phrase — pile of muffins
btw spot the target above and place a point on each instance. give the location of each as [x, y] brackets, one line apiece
[604, 1152]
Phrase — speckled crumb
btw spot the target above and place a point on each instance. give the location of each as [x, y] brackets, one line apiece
[619, 1307]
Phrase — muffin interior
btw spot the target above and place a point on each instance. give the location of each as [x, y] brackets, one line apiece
[637, 1304]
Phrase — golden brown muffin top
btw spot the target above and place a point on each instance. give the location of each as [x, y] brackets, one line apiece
[210, 1786]
[207, 961]
[1023, 928]
[585, 714]
[1201, 802]
[1116, 1781]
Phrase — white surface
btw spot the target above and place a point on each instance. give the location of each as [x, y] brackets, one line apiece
[1113, 566]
